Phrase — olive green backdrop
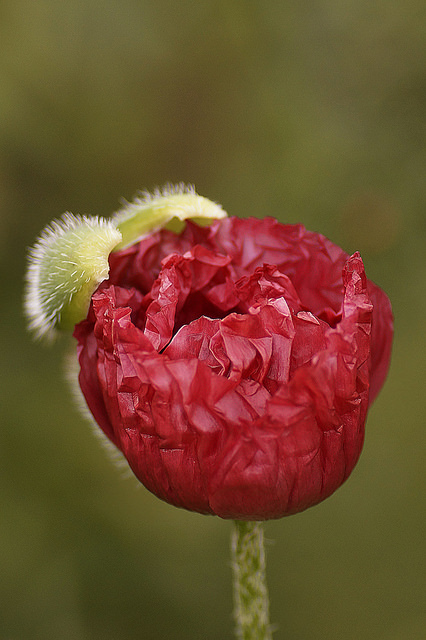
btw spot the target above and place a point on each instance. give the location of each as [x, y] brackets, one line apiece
[311, 112]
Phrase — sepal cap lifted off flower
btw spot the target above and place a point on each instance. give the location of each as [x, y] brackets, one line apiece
[70, 258]
[165, 208]
[67, 264]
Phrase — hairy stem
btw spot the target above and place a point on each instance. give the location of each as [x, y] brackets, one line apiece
[251, 600]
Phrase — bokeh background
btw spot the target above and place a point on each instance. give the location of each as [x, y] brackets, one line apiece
[311, 112]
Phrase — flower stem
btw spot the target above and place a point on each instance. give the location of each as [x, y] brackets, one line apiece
[251, 600]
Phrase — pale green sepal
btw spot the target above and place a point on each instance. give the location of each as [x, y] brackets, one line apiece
[168, 208]
[66, 265]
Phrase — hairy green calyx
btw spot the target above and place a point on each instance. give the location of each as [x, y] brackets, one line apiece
[70, 258]
[67, 264]
[168, 208]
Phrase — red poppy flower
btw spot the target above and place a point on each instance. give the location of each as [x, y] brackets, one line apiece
[233, 365]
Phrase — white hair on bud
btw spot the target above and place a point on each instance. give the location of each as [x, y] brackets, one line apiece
[158, 196]
[150, 212]
[169, 189]
[56, 270]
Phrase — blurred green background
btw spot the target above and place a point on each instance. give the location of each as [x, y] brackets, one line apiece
[311, 112]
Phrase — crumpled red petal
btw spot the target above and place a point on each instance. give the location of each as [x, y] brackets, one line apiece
[233, 365]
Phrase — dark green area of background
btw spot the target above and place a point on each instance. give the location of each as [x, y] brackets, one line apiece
[311, 112]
